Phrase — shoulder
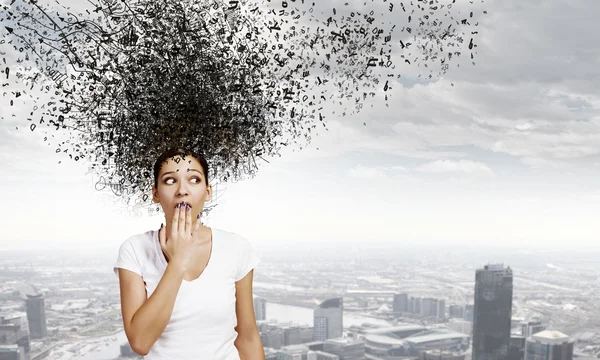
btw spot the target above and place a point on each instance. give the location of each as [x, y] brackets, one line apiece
[225, 235]
[232, 239]
[139, 245]
[134, 252]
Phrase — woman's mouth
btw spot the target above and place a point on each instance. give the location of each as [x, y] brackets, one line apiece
[183, 203]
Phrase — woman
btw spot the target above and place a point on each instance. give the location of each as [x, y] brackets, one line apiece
[186, 289]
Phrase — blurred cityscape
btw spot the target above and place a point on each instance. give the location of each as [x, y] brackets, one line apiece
[376, 304]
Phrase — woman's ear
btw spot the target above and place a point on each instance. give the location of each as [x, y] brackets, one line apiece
[208, 193]
[155, 195]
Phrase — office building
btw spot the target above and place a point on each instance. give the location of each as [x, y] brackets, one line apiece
[345, 349]
[400, 303]
[441, 311]
[36, 316]
[260, 308]
[549, 345]
[460, 325]
[429, 307]
[456, 311]
[328, 319]
[469, 312]
[532, 327]
[14, 331]
[12, 352]
[492, 312]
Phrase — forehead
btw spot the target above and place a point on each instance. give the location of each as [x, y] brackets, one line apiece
[181, 164]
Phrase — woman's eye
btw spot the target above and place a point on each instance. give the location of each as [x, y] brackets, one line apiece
[170, 181]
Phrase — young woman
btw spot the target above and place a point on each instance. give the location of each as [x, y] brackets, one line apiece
[186, 289]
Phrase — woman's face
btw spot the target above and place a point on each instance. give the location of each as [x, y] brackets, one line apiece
[181, 180]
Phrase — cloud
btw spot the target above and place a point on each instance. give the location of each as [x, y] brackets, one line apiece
[532, 95]
[538, 42]
[375, 172]
[529, 96]
[456, 167]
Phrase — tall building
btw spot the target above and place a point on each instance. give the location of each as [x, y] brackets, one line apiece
[328, 319]
[429, 307]
[14, 331]
[532, 327]
[273, 338]
[441, 312]
[516, 351]
[36, 316]
[456, 311]
[294, 335]
[417, 306]
[400, 303]
[12, 352]
[469, 309]
[492, 312]
[260, 308]
[549, 345]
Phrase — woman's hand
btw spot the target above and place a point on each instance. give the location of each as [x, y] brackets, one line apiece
[183, 237]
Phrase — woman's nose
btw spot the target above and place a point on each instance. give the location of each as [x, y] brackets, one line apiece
[182, 189]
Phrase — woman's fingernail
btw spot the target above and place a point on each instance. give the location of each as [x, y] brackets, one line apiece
[198, 217]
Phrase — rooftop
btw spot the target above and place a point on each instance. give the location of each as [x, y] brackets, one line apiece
[550, 336]
[342, 341]
[384, 340]
[436, 336]
[392, 329]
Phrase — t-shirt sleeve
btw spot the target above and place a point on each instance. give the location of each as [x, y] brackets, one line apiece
[248, 259]
[127, 259]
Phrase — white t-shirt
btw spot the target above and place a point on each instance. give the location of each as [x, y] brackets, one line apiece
[204, 317]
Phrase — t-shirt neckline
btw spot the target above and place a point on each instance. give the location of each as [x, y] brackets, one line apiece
[164, 262]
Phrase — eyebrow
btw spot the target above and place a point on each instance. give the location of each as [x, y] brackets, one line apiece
[172, 172]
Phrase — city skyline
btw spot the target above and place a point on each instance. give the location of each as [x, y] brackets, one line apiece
[554, 302]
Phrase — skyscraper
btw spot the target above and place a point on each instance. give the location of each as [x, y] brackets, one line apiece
[532, 327]
[549, 345]
[260, 308]
[417, 305]
[400, 303]
[12, 352]
[328, 319]
[469, 312]
[36, 316]
[14, 331]
[429, 307]
[492, 312]
[441, 313]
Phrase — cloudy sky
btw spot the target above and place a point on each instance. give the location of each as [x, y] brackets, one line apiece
[509, 155]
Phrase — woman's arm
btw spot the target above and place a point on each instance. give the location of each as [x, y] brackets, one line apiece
[248, 341]
[145, 319]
